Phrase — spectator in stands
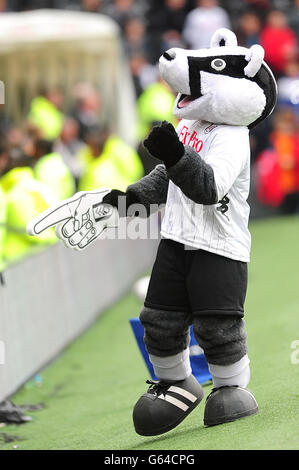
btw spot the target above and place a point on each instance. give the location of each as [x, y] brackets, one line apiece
[3, 6]
[293, 17]
[165, 25]
[175, 15]
[279, 41]
[69, 145]
[249, 29]
[285, 142]
[45, 113]
[15, 140]
[122, 10]
[143, 73]
[175, 12]
[202, 22]
[109, 162]
[92, 6]
[25, 198]
[288, 86]
[50, 169]
[260, 137]
[261, 7]
[87, 109]
[235, 9]
[135, 40]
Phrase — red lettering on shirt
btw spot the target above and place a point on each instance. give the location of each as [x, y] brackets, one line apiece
[182, 134]
[191, 139]
[199, 146]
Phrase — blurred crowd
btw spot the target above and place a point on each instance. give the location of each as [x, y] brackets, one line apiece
[57, 152]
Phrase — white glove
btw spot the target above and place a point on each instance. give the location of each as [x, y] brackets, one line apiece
[79, 220]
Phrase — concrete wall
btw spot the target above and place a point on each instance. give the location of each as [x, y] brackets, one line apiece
[52, 297]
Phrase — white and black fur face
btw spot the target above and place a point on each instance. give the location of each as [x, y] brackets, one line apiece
[225, 84]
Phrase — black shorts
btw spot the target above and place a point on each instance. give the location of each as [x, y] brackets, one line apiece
[197, 282]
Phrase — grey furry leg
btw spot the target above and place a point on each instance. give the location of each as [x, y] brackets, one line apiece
[166, 332]
[222, 338]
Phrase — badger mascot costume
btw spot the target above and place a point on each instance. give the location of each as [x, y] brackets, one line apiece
[200, 274]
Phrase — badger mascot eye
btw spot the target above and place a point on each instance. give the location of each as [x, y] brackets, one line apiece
[218, 64]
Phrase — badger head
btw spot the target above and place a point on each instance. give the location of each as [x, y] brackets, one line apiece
[225, 84]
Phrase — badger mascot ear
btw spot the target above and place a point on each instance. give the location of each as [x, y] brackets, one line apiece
[223, 37]
[256, 69]
[254, 57]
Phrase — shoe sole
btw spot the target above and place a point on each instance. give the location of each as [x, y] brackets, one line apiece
[169, 427]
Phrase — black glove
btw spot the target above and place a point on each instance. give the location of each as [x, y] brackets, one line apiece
[163, 143]
[122, 205]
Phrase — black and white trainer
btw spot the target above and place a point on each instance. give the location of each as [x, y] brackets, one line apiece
[229, 403]
[165, 405]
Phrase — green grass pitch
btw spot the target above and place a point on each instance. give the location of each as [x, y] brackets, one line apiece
[89, 392]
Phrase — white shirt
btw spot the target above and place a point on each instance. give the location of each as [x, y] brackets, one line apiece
[201, 24]
[221, 228]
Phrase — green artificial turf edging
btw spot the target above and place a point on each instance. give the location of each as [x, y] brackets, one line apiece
[89, 392]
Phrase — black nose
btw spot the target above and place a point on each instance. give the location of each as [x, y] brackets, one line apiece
[169, 55]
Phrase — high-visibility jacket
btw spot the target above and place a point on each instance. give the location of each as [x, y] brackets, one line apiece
[3, 212]
[117, 167]
[26, 198]
[155, 104]
[52, 171]
[47, 117]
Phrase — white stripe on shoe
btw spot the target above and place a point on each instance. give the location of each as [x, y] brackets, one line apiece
[184, 393]
[174, 401]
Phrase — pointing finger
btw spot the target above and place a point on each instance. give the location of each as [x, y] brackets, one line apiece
[50, 218]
